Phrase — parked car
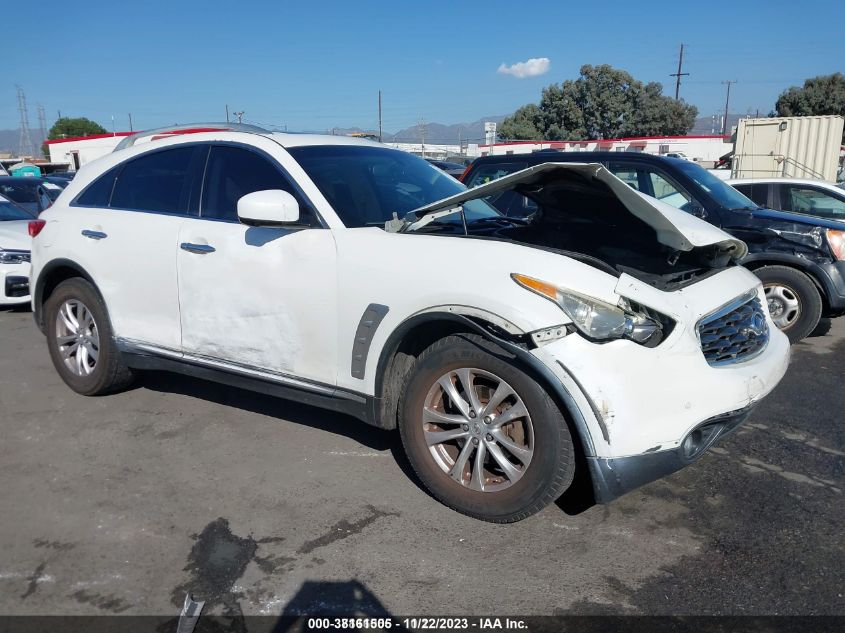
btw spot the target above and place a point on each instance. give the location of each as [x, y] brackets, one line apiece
[59, 181]
[795, 195]
[348, 275]
[31, 193]
[14, 253]
[800, 259]
[453, 169]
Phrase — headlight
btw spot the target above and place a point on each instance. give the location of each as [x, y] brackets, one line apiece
[13, 257]
[836, 239]
[596, 319]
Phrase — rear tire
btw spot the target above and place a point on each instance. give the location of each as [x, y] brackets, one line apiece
[794, 301]
[527, 456]
[81, 341]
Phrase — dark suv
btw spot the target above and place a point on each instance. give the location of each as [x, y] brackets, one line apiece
[800, 259]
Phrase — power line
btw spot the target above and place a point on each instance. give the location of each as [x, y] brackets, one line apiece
[679, 74]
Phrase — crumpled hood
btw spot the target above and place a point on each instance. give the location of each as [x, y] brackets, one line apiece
[675, 228]
[14, 235]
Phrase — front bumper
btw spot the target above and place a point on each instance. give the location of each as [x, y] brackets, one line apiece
[640, 405]
[14, 284]
[612, 477]
[832, 278]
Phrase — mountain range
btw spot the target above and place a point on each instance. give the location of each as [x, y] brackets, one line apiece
[434, 133]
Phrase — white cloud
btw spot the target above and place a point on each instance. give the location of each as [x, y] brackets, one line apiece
[534, 67]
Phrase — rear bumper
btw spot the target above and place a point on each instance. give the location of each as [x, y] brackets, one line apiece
[832, 278]
[612, 477]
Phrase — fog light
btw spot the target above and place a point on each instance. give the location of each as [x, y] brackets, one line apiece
[700, 439]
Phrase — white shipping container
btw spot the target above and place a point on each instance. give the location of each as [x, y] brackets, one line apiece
[793, 147]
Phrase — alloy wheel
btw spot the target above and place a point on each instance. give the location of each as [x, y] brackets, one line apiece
[478, 429]
[77, 337]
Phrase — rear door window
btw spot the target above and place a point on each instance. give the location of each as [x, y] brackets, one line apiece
[812, 201]
[156, 182]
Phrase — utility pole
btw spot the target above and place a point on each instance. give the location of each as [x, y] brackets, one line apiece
[227, 113]
[25, 147]
[379, 116]
[727, 103]
[421, 133]
[130, 123]
[679, 74]
[240, 115]
[42, 122]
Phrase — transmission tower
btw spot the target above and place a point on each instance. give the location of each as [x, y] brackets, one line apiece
[25, 148]
[42, 122]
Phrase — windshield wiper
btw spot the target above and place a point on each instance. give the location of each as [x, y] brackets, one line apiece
[428, 218]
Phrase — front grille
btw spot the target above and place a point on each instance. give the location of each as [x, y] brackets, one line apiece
[735, 333]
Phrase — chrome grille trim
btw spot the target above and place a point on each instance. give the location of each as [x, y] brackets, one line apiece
[735, 333]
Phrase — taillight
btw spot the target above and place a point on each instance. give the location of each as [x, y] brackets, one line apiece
[35, 227]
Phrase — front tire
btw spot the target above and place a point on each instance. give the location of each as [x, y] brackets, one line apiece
[483, 437]
[81, 341]
[794, 302]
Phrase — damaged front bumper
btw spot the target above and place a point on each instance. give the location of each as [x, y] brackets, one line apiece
[612, 477]
[832, 278]
[652, 411]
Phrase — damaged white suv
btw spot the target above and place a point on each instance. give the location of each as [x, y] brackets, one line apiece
[338, 272]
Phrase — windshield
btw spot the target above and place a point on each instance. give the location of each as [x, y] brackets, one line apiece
[24, 195]
[366, 185]
[9, 211]
[724, 194]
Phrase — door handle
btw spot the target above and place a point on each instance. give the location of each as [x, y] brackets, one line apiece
[94, 235]
[200, 249]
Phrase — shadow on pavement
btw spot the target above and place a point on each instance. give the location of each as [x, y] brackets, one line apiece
[333, 422]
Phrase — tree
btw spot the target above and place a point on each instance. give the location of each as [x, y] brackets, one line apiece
[603, 102]
[66, 127]
[523, 125]
[819, 95]
[81, 126]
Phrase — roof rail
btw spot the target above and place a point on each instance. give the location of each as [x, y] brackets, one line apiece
[189, 128]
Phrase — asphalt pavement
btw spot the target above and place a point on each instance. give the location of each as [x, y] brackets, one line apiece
[122, 504]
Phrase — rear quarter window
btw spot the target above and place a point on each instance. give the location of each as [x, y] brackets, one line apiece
[98, 193]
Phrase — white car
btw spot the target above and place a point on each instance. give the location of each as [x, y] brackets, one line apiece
[796, 195]
[359, 278]
[15, 245]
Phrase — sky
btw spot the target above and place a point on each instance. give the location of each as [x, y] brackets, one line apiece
[320, 64]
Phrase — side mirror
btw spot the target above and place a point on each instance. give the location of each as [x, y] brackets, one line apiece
[272, 207]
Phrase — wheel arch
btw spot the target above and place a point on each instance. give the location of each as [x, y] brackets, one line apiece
[55, 272]
[417, 332]
[753, 263]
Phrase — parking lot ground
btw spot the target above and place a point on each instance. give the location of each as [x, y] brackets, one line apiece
[121, 504]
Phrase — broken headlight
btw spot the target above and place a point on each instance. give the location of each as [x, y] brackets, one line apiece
[596, 319]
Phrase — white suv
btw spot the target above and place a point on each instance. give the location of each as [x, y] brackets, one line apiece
[341, 273]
